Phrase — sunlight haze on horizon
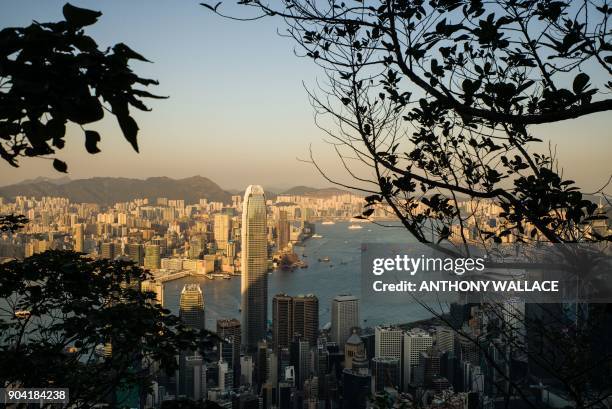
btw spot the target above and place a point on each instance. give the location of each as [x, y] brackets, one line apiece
[237, 111]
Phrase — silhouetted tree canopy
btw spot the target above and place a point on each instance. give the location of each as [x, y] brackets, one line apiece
[52, 74]
[435, 99]
[70, 321]
[11, 222]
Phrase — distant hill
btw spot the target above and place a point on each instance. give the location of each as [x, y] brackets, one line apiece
[105, 190]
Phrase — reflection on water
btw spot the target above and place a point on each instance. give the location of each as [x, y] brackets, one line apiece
[341, 275]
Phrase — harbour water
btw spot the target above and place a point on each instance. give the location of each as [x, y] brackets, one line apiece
[341, 275]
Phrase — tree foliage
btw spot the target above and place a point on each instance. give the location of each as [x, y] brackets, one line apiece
[85, 324]
[53, 74]
[436, 100]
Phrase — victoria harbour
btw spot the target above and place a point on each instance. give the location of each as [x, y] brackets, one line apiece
[340, 275]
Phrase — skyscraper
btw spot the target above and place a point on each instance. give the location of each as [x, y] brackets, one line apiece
[152, 258]
[386, 373]
[254, 279]
[415, 342]
[79, 238]
[222, 225]
[294, 315]
[388, 342]
[344, 317]
[229, 330]
[192, 306]
[192, 378]
[306, 317]
[282, 231]
[135, 252]
[282, 321]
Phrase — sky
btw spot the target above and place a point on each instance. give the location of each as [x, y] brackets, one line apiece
[237, 111]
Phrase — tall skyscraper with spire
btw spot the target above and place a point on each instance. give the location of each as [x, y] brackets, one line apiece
[254, 279]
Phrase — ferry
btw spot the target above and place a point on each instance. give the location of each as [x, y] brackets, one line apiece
[327, 222]
[317, 236]
[324, 259]
[355, 227]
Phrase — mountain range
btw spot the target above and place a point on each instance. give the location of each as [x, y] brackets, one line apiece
[107, 190]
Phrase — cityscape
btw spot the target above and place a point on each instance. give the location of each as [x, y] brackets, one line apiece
[276, 352]
[305, 204]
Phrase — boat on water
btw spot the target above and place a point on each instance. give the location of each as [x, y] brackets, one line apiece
[324, 259]
[355, 227]
[327, 222]
[317, 236]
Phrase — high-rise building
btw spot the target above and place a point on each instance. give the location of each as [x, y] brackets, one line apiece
[222, 225]
[152, 258]
[254, 278]
[108, 250]
[192, 370]
[229, 331]
[445, 339]
[135, 252]
[79, 238]
[300, 360]
[294, 316]
[282, 321]
[306, 317]
[344, 317]
[356, 383]
[191, 309]
[386, 373]
[415, 342]
[282, 231]
[388, 342]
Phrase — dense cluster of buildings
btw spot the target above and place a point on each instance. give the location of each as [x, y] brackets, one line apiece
[294, 363]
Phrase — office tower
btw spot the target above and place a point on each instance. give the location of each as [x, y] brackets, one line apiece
[415, 342]
[246, 370]
[261, 363]
[222, 225]
[306, 317]
[300, 360]
[226, 376]
[152, 258]
[282, 317]
[430, 366]
[282, 231]
[192, 370]
[356, 383]
[468, 351]
[135, 252]
[79, 238]
[386, 373]
[254, 278]
[197, 247]
[388, 342]
[107, 251]
[229, 330]
[513, 315]
[445, 339]
[191, 309]
[294, 315]
[344, 317]
[353, 346]
[192, 375]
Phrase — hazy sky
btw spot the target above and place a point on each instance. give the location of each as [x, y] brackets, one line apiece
[237, 112]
